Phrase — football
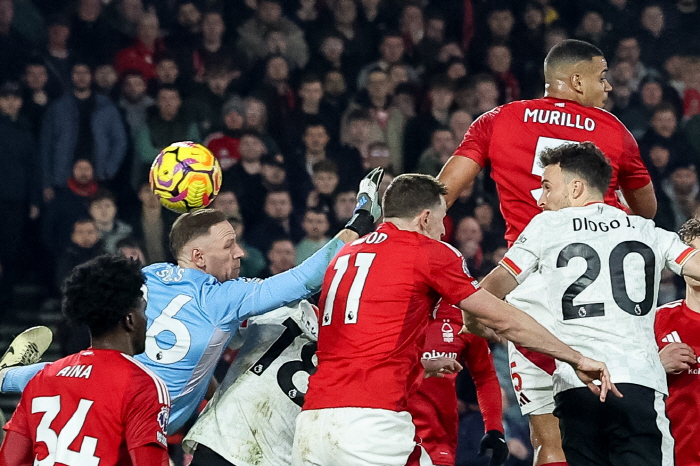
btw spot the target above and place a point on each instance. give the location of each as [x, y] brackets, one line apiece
[185, 176]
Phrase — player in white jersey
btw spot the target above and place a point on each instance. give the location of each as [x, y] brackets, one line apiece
[600, 268]
[250, 420]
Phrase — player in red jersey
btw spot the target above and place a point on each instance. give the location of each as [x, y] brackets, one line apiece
[376, 298]
[99, 406]
[510, 138]
[677, 329]
[434, 405]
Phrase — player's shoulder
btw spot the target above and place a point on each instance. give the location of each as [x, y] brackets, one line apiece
[142, 378]
[670, 309]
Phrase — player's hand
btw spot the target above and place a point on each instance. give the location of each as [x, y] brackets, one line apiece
[367, 194]
[677, 357]
[496, 442]
[438, 367]
[589, 370]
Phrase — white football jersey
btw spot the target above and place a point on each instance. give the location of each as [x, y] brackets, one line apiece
[251, 419]
[601, 269]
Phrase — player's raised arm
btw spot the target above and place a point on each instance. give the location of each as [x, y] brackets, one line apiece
[304, 280]
[641, 201]
[457, 175]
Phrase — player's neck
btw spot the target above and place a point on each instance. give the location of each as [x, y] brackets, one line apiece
[118, 341]
[692, 298]
[560, 92]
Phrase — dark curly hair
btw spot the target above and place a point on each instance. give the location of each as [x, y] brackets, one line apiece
[690, 230]
[100, 292]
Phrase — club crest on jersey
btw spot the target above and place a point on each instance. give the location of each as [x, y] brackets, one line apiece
[448, 335]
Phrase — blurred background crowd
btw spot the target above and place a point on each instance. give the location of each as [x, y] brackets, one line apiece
[298, 99]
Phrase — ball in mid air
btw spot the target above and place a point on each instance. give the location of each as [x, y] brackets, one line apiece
[185, 176]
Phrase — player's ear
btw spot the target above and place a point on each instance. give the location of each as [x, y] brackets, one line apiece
[577, 188]
[423, 219]
[197, 257]
[575, 82]
[129, 322]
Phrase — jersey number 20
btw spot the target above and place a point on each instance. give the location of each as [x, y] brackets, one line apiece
[617, 279]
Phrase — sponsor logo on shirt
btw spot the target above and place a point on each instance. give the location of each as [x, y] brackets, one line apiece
[170, 274]
[439, 354]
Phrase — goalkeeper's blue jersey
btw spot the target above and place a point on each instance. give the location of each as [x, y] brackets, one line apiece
[192, 316]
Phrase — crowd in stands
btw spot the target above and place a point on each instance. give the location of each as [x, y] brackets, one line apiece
[298, 99]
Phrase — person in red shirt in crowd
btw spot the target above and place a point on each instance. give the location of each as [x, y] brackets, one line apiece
[677, 329]
[142, 55]
[434, 405]
[98, 406]
[375, 302]
[224, 144]
[510, 138]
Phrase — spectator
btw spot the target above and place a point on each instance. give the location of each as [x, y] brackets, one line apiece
[131, 249]
[311, 107]
[245, 177]
[331, 57]
[224, 144]
[391, 52]
[256, 120]
[467, 238]
[152, 226]
[276, 92]
[140, 56]
[379, 156]
[591, 29]
[13, 53]
[628, 50]
[84, 245]
[19, 192]
[81, 125]
[253, 261]
[208, 99]
[36, 97]
[486, 95]
[227, 202]
[442, 146]
[268, 17]
[343, 208]
[325, 181]
[58, 57]
[387, 121]
[103, 211]
[166, 123]
[106, 80]
[419, 130]
[280, 257]
[213, 49]
[681, 189]
[167, 73]
[691, 86]
[315, 226]
[429, 47]
[460, 121]
[655, 43]
[278, 222]
[529, 50]
[91, 37]
[499, 22]
[353, 154]
[663, 130]
[124, 17]
[498, 61]
[134, 101]
[274, 175]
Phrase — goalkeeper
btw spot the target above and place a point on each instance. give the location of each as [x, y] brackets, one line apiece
[194, 307]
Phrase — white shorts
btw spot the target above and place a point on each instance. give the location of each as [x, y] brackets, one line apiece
[355, 436]
[533, 385]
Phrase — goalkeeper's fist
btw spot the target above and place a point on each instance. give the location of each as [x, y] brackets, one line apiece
[368, 208]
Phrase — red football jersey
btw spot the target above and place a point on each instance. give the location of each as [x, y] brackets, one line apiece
[377, 296]
[434, 405]
[91, 408]
[676, 323]
[512, 136]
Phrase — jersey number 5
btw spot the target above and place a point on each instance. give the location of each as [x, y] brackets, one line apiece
[617, 279]
[363, 261]
[57, 443]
